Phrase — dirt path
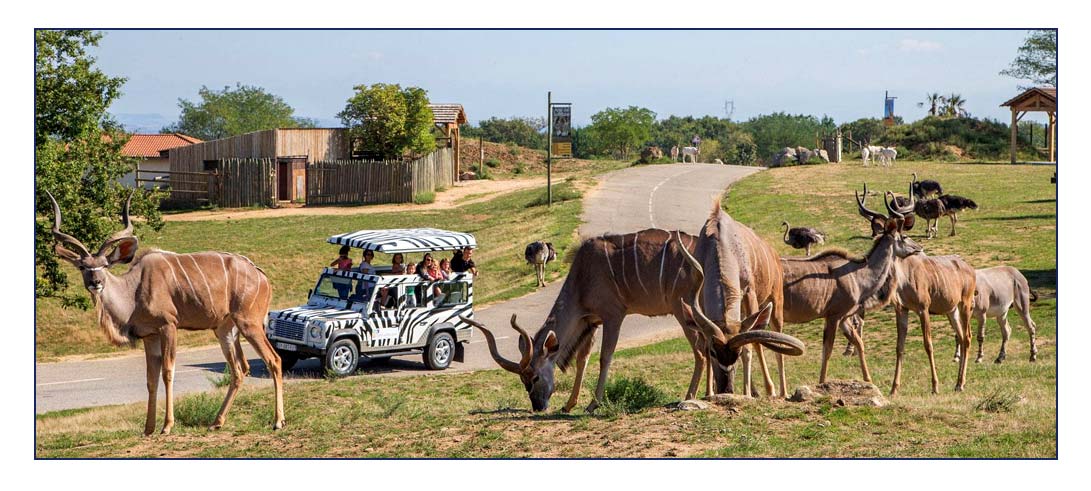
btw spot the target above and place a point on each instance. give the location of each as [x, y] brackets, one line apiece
[475, 191]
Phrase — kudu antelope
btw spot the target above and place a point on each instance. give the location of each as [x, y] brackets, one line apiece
[163, 292]
[611, 276]
[833, 285]
[742, 272]
[878, 220]
[941, 285]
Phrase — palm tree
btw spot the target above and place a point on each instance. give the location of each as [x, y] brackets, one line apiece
[955, 106]
[933, 101]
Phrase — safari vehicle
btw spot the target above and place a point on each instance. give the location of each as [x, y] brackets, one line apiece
[343, 321]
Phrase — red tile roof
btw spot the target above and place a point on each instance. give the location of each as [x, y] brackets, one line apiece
[145, 145]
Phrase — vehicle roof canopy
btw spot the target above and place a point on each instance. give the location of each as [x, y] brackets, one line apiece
[391, 241]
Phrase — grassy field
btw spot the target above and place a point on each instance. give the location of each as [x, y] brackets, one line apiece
[291, 250]
[1006, 411]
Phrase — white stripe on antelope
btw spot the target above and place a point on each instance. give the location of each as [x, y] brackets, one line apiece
[149, 303]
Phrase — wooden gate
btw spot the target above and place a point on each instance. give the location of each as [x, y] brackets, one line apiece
[245, 182]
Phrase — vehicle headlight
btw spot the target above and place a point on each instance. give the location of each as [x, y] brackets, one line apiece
[316, 331]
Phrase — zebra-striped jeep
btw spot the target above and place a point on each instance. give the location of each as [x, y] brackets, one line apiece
[343, 321]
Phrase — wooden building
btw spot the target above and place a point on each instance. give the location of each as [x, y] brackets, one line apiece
[1037, 99]
[447, 117]
[292, 148]
[151, 152]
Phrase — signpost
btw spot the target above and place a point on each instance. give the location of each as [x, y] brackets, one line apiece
[559, 137]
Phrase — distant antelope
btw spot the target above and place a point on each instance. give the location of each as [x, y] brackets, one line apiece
[833, 285]
[802, 237]
[878, 220]
[691, 152]
[163, 292]
[999, 289]
[538, 254]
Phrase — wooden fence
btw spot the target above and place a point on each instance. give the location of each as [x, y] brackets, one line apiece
[245, 182]
[372, 182]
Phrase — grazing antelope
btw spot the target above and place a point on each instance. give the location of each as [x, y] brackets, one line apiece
[953, 204]
[163, 292]
[924, 189]
[833, 285]
[802, 237]
[998, 289]
[940, 285]
[878, 220]
[538, 254]
[611, 276]
[742, 272]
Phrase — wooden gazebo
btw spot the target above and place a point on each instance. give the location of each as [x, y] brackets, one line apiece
[1040, 99]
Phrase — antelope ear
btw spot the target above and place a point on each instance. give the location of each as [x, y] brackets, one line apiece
[124, 250]
[66, 254]
[688, 313]
[892, 225]
[760, 320]
[551, 343]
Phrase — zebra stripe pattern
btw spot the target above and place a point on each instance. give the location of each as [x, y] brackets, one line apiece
[405, 240]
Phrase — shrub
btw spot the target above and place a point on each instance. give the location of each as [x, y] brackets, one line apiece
[198, 410]
[629, 396]
[520, 167]
[424, 197]
[492, 163]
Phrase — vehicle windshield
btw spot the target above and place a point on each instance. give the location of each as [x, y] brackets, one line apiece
[344, 288]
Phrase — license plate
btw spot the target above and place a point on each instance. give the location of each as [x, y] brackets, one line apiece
[287, 347]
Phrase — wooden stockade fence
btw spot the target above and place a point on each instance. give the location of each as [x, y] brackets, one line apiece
[244, 182]
[371, 182]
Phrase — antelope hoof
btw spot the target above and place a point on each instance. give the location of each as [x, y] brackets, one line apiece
[1034, 357]
[215, 426]
[979, 358]
[166, 430]
[592, 407]
[849, 351]
[280, 424]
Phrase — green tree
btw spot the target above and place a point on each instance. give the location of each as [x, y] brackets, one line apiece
[230, 112]
[522, 131]
[620, 131]
[934, 101]
[772, 132]
[77, 155]
[390, 121]
[954, 106]
[1037, 59]
[865, 130]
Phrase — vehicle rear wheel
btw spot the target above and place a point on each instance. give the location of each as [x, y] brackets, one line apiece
[440, 351]
[288, 359]
[342, 357]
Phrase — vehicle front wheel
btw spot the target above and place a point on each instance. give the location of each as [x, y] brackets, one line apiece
[288, 359]
[342, 357]
[440, 351]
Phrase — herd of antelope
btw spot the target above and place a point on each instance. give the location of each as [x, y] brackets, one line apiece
[727, 288]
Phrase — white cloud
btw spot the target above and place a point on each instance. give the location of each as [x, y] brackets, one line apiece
[918, 46]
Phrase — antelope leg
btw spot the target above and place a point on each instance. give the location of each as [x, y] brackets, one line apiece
[153, 358]
[581, 365]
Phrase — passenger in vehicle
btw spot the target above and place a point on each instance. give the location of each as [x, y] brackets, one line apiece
[397, 266]
[410, 290]
[366, 267]
[343, 262]
[463, 262]
[445, 268]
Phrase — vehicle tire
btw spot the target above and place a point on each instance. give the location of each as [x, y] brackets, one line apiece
[288, 360]
[342, 358]
[440, 351]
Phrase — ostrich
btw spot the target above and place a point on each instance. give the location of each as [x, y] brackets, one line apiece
[802, 237]
[931, 210]
[538, 254]
[925, 188]
[953, 204]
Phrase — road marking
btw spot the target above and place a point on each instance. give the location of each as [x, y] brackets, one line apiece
[651, 196]
[72, 381]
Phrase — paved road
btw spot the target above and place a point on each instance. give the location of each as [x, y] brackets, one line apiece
[664, 196]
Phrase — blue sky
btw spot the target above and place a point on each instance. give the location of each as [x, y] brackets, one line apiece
[842, 74]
